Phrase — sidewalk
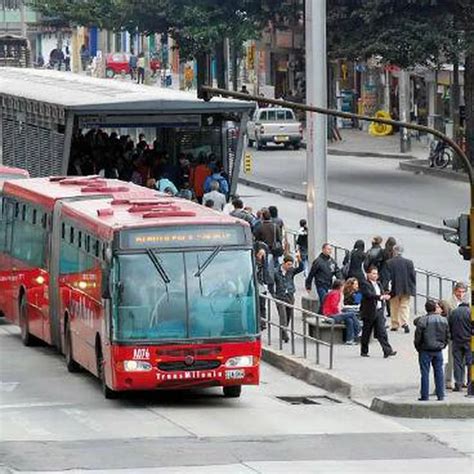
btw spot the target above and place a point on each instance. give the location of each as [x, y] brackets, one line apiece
[370, 381]
[357, 142]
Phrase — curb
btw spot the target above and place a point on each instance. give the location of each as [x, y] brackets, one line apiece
[369, 154]
[423, 409]
[347, 208]
[300, 369]
[420, 166]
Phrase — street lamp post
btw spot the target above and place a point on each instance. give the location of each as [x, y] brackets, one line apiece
[316, 129]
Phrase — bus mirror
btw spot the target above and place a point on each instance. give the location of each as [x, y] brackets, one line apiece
[106, 292]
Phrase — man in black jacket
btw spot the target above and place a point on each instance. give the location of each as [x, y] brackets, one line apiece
[264, 280]
[403, 287]
[431, 337]
[285, 290]
[323, 270]
[371, 312]
[459, 321]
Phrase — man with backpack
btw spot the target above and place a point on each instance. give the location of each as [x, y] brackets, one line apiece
[270, 233]
[223, 184]
[375, 254]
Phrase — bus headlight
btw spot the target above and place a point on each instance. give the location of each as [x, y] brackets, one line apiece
[136, 366]
[240, 361]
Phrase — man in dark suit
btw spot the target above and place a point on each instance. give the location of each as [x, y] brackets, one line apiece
[371, 312]
[403, 287]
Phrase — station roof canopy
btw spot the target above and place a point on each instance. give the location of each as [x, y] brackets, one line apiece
[84, 94]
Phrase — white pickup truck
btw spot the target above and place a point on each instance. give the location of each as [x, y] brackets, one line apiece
[274, 125]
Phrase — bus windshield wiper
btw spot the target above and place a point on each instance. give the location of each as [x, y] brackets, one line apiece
[208, 261]
[159, 267]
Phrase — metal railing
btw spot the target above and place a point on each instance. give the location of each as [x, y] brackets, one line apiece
[428, 284]
[301, 343]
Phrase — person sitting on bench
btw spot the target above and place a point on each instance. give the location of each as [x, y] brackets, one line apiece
[332, 308]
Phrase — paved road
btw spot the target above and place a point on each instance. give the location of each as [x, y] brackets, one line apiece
[370, 183]
[54, 421]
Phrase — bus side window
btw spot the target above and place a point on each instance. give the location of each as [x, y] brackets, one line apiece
[28, 240]
[69, 255]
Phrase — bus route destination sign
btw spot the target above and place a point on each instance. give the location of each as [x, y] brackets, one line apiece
[192, 236]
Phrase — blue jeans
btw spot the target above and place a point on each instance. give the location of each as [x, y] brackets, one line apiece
[352, 324]
[322, 292]
[426, 359]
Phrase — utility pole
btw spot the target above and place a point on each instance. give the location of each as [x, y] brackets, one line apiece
[316, 125]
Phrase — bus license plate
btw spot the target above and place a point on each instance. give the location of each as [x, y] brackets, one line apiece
[282, 138]
[235, 374]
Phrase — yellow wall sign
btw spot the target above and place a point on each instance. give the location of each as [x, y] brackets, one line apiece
[248, 163]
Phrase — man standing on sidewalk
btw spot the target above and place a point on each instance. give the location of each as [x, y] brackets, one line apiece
[458, 297]
[371, 313]
[431, 337]
[403, 287]
[459, 321]
[285, 290]
[323, 270]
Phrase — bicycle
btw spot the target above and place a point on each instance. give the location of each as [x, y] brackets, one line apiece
[440, 155]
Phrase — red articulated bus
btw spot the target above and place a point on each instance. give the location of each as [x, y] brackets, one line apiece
[143, 290]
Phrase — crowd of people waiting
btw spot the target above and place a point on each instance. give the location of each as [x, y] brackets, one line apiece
[369, 288]
[118, 157]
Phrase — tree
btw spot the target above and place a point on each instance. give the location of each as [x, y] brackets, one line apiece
[407, 33]
[199, 28]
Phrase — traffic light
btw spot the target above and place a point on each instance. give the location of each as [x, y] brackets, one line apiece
[459, 234]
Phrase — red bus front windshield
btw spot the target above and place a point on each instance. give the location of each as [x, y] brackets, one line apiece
[180, 295]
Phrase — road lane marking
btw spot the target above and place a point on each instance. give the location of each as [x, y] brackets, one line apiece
[33, 405]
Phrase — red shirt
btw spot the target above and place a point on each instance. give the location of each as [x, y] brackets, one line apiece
[331, 303]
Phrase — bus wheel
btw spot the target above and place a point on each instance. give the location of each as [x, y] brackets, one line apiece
[233, 391]
[26, 337]
[71, 364]
[108, 393]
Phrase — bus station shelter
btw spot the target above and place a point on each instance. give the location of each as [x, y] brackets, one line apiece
[42, 110]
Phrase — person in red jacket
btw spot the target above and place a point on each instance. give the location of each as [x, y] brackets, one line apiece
[198, 177]
[332, 308]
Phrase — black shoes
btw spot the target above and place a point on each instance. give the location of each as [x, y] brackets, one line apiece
[393, 329]
[390, 354]
[406, 328]
[457, 388]
[364, 355]
[423, 400]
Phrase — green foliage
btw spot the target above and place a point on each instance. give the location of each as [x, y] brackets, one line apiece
[196, 26]
[403, 32]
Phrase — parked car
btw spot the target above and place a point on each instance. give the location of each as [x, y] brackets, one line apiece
[117, 63]
[274, 125]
